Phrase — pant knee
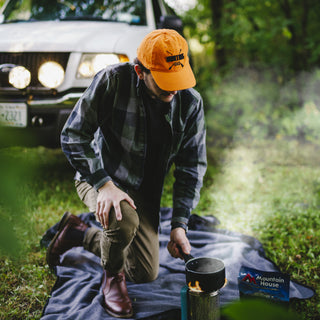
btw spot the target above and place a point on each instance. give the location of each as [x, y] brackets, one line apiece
[129, 223]
[142, 275]
[142, 270]
[151, 274]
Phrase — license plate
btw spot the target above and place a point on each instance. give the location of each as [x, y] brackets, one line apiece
[13, 114]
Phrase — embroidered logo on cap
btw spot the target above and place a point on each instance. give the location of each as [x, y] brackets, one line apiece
[175, 59]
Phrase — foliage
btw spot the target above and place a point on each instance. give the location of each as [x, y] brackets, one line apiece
[41, 195]
[281, 35]
[257, 309]
[248, 104]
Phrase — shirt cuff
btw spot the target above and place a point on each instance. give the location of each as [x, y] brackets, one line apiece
[180, 218]
[182, 225]
[98, 179]
[181, 215]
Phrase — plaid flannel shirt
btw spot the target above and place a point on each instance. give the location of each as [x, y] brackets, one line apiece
[104, 137]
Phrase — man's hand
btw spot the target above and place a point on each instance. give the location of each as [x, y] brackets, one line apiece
[178, 239]
[110, 196]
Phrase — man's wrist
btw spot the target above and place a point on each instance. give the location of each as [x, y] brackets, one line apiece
[176, 224]
[106, 185]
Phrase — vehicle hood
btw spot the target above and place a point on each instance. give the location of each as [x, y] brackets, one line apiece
[70, 36]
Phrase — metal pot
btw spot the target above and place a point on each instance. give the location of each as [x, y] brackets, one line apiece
[209, 272]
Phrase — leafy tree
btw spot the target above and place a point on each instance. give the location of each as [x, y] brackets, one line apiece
[280, 34]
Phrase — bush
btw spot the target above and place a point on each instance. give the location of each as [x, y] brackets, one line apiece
[250, 104]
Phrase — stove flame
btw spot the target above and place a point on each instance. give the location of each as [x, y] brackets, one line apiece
[196, 287]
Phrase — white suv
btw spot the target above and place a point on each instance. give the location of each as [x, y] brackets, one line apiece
[51, 49]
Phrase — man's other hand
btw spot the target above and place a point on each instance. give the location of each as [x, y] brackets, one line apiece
[178, 238]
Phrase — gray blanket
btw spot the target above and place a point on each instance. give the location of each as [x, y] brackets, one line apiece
[77, 295]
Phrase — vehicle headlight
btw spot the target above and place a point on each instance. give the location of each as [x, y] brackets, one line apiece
[19, 77]
[51, 74]
[91, 63]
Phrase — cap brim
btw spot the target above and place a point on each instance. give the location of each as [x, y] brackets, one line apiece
[175, 80]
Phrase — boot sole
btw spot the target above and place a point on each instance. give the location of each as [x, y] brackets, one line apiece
[61, 225]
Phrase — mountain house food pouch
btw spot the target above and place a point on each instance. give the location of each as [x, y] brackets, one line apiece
[270, 285]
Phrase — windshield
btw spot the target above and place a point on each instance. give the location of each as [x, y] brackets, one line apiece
[129, 11]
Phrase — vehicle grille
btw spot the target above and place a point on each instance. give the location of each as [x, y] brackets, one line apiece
[32, 61]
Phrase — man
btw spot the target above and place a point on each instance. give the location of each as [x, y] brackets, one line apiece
[124, 134]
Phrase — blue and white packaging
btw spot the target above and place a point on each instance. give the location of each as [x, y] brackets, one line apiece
[257, 283]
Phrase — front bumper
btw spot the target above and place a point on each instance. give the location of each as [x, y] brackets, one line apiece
[45, 120]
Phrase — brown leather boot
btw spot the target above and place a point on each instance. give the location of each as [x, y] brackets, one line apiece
[70, 234]
[116, 298]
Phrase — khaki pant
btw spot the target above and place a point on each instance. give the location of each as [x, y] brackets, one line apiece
[131, 244]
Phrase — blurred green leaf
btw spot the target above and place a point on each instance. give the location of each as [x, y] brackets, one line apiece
[257, 309]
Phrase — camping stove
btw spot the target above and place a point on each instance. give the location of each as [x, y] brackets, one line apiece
[198, 305]
[200, 298]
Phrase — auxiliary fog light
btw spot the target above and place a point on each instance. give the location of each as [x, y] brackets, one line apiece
[92, 63]
[51, 74]
[19, 77]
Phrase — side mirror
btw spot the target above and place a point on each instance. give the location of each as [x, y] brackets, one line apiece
[171, 22]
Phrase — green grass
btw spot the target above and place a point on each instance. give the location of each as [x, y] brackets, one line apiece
[270, 190]
[44, 180]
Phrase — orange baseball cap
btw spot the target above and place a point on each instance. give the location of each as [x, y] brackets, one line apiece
[165, 53]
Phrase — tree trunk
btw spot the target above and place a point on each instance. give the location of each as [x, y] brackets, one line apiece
[220, 54]
[299, 55]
